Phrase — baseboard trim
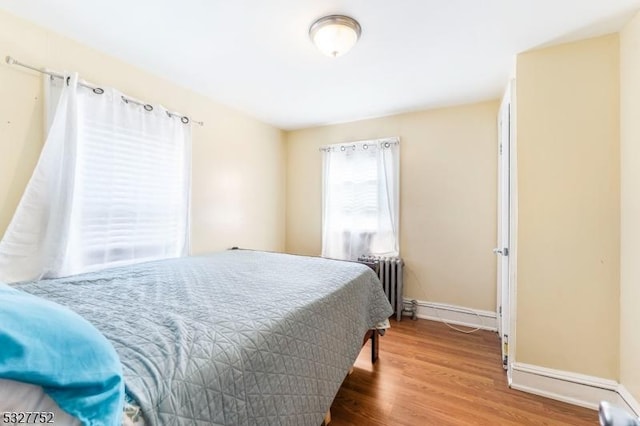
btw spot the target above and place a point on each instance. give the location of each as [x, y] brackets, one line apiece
[628, 401]
[457, 315]
[573, 388]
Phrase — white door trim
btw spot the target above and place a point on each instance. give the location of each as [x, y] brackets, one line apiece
[505, 215]
[513, 232]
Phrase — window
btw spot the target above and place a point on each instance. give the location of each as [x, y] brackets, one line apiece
[111, 187]
[360, 199]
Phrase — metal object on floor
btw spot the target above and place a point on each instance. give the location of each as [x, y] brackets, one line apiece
[610, 415]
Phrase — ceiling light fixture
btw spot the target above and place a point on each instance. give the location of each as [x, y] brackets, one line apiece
[335, 35]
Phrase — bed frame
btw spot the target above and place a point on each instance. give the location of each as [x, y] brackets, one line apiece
[374, 336]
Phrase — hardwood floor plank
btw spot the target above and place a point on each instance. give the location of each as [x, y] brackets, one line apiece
[429, 374]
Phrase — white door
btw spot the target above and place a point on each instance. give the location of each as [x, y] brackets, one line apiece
[502, 249]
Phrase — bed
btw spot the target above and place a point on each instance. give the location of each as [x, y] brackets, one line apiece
[238, 337]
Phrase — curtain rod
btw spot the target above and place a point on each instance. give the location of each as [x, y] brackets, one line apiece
[388, 141]
[98, 90]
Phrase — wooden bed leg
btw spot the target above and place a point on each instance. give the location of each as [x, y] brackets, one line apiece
[350, 371]
[374, 346]
[327, 418]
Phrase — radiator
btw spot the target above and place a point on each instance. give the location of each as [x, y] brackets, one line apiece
[390, 271]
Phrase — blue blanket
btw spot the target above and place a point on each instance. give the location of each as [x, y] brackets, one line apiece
[46, 344]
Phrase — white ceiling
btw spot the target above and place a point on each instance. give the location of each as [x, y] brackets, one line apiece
[255, 55]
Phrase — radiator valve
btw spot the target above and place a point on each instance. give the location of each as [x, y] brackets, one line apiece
[413, 309]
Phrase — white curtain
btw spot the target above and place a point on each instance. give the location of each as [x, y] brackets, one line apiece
[111, 187]
[361, 199]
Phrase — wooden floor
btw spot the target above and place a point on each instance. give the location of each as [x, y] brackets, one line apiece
[428, 374]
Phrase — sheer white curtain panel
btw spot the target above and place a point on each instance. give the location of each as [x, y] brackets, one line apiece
[111, 187]
[360, 199]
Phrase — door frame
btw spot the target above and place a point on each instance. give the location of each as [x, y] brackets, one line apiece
[513, 232]
[508, 100]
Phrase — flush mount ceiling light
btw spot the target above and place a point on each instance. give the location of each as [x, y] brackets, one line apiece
[335, 35]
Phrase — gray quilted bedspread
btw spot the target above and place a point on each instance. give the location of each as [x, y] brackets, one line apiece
[233, 338]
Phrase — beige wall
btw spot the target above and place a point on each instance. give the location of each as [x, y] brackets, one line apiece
[630, 207]
[568, 211]
[238, 163]
[448, 166]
